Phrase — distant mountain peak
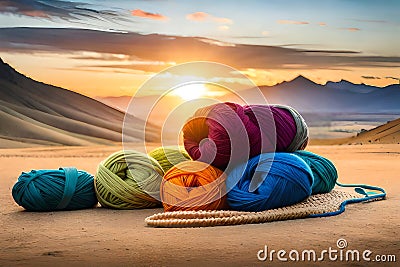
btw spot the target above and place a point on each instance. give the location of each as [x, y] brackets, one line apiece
[342, 81]
[301, 80]
[392, 86]
[352, 87]
[7, 72]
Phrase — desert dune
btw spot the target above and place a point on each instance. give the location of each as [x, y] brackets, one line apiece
[388, 133]
[106, 237]
[33, 113]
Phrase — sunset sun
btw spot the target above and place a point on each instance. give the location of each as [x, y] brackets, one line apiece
[191, 91]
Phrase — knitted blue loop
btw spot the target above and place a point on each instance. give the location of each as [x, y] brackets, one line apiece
[359, 188]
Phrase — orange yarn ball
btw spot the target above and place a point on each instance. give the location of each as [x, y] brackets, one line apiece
[193, 185]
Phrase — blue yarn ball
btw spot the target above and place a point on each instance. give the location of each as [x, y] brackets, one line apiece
[49, 190]
[268, 181]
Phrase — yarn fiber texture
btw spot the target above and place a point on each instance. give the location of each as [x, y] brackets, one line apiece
[169, 156]
[291, 130]
[128, 180]
[193, 185]
[217, 134]
[268, 181]
[227, 133]
[51, 190]
[324, 171]
[300, 140]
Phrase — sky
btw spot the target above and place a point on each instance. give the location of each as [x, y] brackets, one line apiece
[110, 48]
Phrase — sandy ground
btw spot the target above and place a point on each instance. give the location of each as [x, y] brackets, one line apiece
[105, 237]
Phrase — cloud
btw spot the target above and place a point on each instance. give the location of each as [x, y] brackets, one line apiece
[372, 21]
[202, 16]
[293, 22]
[222, 20]
[223, 28]
[322, 24]
[146, 66]
[100, 56]
[215, 42]
[197, 16]
[248, 36]
[50, 9]
[35, 13]
[148, 15]
[371, 77]
[351, 29]
[330, 51]
[393, 78]
[164, 48]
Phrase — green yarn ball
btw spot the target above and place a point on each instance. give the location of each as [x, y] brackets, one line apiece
[325, 173]
[128, 180]
[169, 156]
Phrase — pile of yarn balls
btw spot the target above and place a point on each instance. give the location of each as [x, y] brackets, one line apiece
[245, 158]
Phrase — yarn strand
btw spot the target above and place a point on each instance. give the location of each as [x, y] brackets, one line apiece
[128, 180]
[49, 190]
[71, 179]
[320, 205]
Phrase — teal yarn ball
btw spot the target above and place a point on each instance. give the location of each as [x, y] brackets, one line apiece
[324, 171]
[51, 190]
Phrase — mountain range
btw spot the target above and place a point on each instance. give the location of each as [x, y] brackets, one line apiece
[333, 110]
[34, 113]
[309, 97]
